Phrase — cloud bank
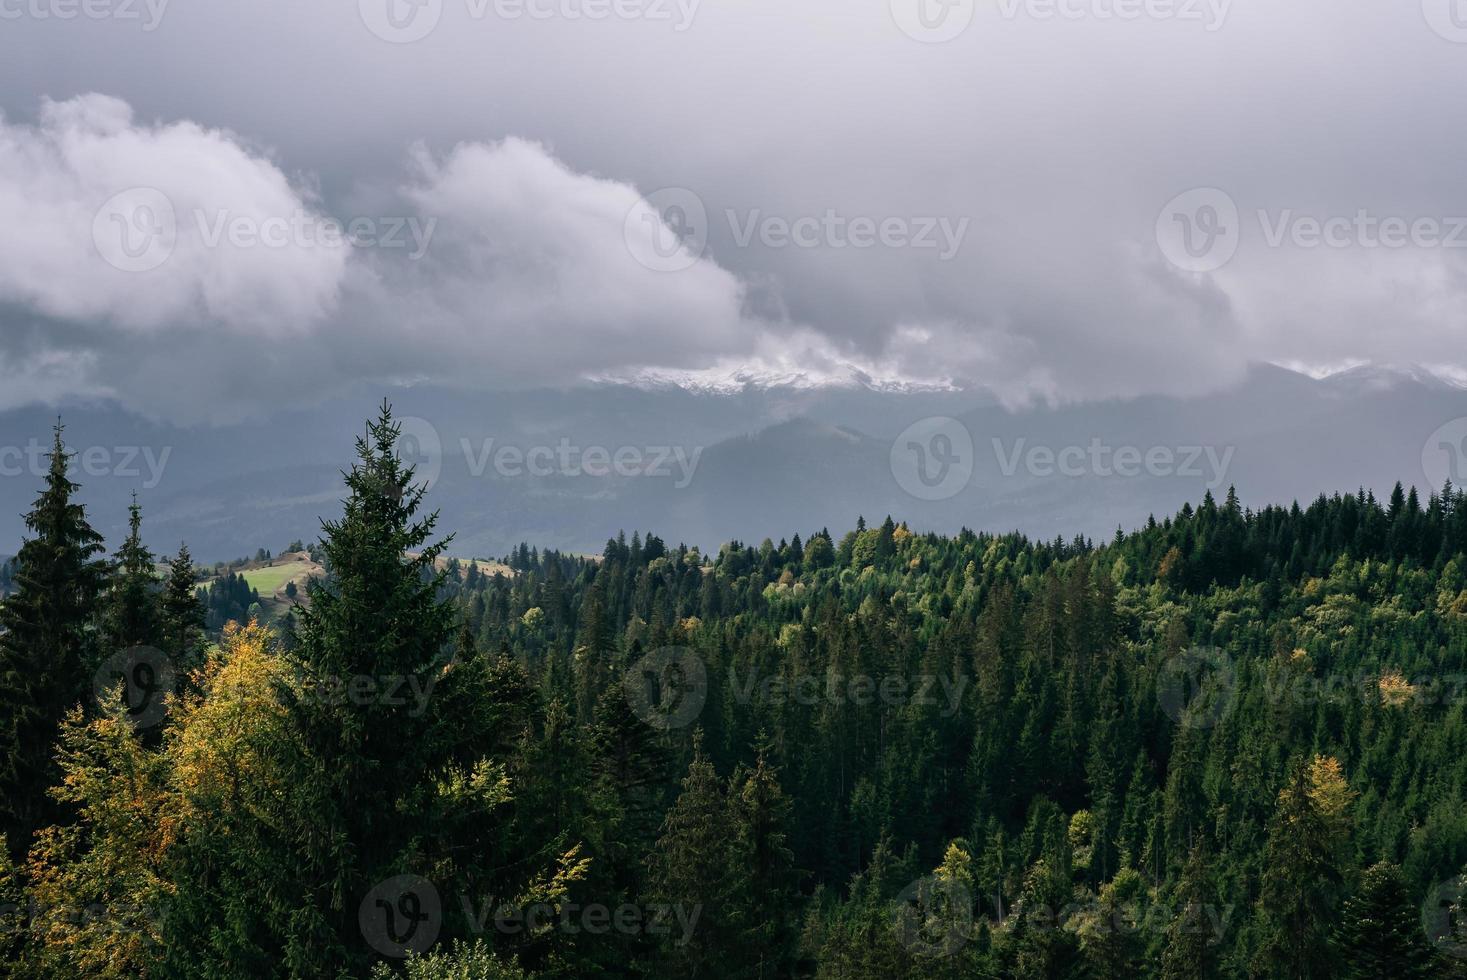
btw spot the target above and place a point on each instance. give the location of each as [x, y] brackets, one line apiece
[466, 207]
[178, 269]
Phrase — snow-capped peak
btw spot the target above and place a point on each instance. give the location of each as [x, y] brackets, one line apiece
[726, 380]
[1387, 377]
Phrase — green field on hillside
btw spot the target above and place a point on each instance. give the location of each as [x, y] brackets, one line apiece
[269, 580]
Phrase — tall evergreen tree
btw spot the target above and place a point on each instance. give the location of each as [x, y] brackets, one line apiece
[182, 613]
[1380, 932]
[1188, 954]
[133, 613]
[47, 646]
[369, 761]
[1300, 877]
[690, 869]
[764, 903]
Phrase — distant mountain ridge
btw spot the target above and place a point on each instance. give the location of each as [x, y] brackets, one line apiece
[772, 458]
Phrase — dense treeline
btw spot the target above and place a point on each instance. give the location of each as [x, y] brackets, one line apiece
[1233, 743]
[229, 598]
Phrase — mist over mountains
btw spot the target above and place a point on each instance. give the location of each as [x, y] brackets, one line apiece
[704, 464]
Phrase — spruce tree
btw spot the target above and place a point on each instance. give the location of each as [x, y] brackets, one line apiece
[47, 646]
[1300, 877]
[1188, 955]
[690, 870]
[1381, 935]
[764, 903]
[368, 756]
[182, 613]
[630, 769]
[133, 613]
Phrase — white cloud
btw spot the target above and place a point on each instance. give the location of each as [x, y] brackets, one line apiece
[495, 264]
[530, 276]
[159, 254]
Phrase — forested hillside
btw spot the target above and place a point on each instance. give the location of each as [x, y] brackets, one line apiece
[1230, 744]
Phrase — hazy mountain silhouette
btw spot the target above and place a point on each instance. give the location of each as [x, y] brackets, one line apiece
[769, 460]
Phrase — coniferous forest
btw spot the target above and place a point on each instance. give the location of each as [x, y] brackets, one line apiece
[1231, 743]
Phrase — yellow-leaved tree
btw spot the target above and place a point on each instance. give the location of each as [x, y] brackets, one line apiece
[98, 886]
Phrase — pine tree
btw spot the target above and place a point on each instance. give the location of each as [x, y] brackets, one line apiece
[1381, 935]
[47, 647]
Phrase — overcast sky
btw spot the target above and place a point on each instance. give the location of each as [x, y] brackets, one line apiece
[1059, 199]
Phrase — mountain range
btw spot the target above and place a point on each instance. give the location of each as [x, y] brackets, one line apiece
[704, 460]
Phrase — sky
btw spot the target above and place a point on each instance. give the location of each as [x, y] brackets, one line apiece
[211, 210]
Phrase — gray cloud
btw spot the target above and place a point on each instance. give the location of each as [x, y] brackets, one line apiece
[1058, 140]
